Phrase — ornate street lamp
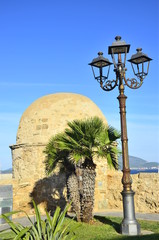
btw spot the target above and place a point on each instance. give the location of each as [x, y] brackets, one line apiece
[118, 51]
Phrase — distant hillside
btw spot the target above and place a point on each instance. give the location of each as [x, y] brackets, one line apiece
[151, 164]
[136, 162]
[6, 171]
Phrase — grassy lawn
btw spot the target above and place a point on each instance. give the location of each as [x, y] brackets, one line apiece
[107, 228]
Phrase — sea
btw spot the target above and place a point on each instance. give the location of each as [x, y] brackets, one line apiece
[136, 171]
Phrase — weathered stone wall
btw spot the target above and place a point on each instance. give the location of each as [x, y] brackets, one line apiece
[47, 193]
[28, 162]
[145, 185]
[50, 192]
[44, 118]
[49, 115]
[101, 196]
[147, 192]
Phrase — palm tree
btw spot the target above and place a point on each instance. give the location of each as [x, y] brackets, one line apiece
[55, 157]
[77, 147]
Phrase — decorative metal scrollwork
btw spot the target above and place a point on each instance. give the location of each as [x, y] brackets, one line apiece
[107, 85]
[133, 83]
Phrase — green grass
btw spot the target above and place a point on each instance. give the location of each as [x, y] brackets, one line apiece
[4, 235]
[107, 228]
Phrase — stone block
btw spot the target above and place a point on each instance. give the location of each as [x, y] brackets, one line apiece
[38, 127]
[102, 205]
[45, 126]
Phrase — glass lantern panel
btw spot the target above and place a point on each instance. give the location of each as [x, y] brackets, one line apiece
[100, 64]
[139, 60]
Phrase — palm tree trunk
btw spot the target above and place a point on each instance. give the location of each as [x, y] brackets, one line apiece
[73, 194]
[87, 198]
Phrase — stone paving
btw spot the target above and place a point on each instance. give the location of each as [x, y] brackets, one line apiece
[142, 216]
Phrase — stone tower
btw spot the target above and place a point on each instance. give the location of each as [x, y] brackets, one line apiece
[44, 118]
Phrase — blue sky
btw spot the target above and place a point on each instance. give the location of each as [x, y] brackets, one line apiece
[45, 47]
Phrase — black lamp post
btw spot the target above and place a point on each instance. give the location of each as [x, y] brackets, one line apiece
[119, 50]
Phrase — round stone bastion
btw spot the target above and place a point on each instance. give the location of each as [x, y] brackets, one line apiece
[44, 118]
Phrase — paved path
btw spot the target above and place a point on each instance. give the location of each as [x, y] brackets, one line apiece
[144, 216]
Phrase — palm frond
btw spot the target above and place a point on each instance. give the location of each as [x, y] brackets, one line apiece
[113, 133]
[55, 156]
[83, 139]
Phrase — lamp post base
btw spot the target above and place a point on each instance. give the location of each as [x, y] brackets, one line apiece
[129, 225]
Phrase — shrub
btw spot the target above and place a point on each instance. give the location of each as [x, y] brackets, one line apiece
[52, 228]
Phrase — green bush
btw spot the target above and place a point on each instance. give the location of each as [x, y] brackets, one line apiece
[52, 228]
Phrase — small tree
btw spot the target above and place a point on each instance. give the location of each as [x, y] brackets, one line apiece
[74, 150]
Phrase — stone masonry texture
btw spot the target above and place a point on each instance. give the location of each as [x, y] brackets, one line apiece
[44, 118]
[145, 186]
